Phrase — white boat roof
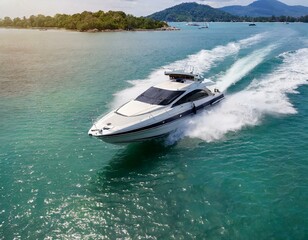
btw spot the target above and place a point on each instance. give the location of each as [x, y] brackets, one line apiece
[183, 75]
[181, 81]
[175, 86]
[179, 72]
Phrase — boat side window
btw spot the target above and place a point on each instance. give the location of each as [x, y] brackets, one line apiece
[158, 96]
[192, 96]
[180, 76]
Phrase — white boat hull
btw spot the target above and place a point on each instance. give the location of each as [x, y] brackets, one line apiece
[162, 127]
[143, 135]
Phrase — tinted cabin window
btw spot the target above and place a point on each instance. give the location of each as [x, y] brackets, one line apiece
[192, 96]
[180, 76]
[158, 96]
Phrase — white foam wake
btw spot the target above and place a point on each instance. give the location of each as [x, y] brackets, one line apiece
[201, 62]
[247, 108]
[242, 67]
[205, 59]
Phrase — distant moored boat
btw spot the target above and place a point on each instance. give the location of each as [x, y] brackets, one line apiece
[193, 24]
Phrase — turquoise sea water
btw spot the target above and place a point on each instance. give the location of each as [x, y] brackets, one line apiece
[238, 171]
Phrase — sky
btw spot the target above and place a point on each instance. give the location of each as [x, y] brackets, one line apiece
[20, 8]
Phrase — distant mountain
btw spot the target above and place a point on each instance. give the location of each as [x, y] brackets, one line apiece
[266, 8]
[192, 12]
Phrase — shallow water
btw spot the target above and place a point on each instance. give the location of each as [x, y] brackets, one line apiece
[238, 171]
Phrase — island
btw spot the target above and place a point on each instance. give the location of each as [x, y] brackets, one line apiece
[87, 22]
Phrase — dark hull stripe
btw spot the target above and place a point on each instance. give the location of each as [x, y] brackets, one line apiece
[105, 138]
[168, 120]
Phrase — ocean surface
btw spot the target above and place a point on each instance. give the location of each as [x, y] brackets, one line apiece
[236, 171]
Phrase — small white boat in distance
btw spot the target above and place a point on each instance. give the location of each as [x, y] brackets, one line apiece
[158, 111]
[193, 24]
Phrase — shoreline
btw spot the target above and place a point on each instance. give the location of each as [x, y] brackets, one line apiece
[95, 30]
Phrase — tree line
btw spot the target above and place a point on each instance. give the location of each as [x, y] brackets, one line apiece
[274, 19]
[184, 18]
[84, 21]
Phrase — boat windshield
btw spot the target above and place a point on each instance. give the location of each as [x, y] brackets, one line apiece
[158, 96]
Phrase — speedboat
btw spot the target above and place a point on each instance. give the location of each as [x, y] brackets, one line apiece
[159, 110]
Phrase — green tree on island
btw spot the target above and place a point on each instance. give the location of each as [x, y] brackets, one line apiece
[85, 21]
